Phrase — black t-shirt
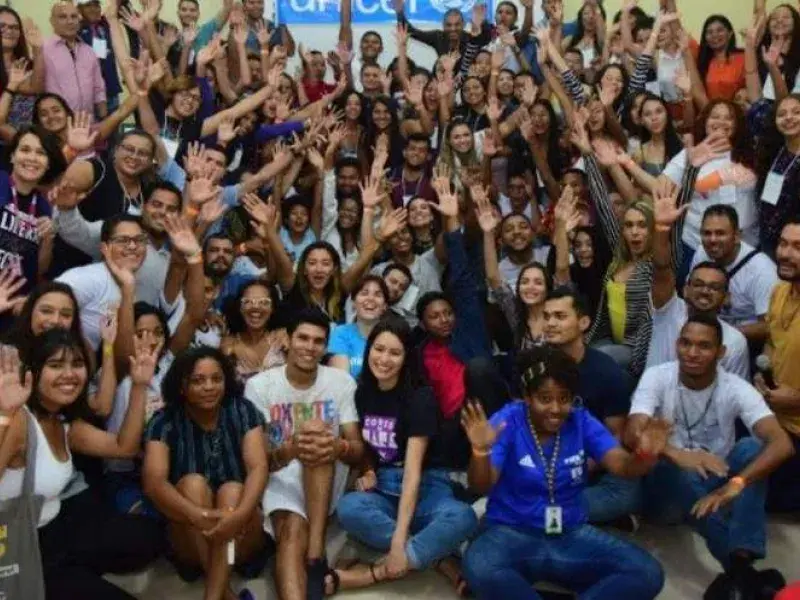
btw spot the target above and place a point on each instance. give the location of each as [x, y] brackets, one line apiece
[389, 418]
[605, 388]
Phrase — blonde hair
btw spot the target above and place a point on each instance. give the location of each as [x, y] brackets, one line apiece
[622, 253]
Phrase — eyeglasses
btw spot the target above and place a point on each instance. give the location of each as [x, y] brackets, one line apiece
[697, 284]
[256, 302]
[185, 95]
[9, 27]
[136, 152]
[129, 240]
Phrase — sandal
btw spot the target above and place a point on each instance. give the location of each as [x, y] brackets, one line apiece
[332, 582]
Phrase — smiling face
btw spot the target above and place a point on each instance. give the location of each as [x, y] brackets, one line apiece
[369, 302]
[635, 232]
[52, 115]
[91, 12]
[29, 159]
[149, 326]
[254, 9]
[386, 358]
[721, 119]
[319, 269]
[307, 346]
[347, 180]
[516, 233]
[65, 19]
[720, 239]
[583, 249]
[371, 79]
[613, 79]
[128, 244]
[219, 256]
[461, 138]
[532, 286]
[597, 117]
[63, 378]
[298, 219]
[706, 290]
[550, 406]
[439, 319]
[787, 254]
[781, 23]
[540, 118]
[10, 30]
[205, 386]
[717, 35]
[420, 215]
[186, 103]
[158, 206]
[256, 307]
[787, 117]
[51, 310]
[134, 155]
[654, 116]
[188, 13]
[473, 93]
[415, 154]
[349, 213]
[698, 349]
[352, 107]
[397, 282]
[381, 116]
[370, 46]
[453, 26]
[562, 324]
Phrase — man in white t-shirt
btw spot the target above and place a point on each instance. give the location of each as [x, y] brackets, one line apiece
[719, 483]
[704, 293]
[752, 275]
[314, 434]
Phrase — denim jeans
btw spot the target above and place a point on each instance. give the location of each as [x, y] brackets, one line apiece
[741, 525]
[504, 562]
[439, 525]
[612, 497]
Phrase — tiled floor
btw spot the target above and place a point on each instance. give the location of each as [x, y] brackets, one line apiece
[689, 569]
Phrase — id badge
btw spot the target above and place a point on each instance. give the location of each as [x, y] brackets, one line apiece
[773, 187]
[553, 524]
[171, 146]
[100, 47]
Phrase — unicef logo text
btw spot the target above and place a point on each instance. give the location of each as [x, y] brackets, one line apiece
[414, 8]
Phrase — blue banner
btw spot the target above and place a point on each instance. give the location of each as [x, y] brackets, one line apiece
[326, 12]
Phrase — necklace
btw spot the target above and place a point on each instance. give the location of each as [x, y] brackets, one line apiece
[553, 524]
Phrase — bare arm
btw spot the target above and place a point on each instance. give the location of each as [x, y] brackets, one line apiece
[88, 439]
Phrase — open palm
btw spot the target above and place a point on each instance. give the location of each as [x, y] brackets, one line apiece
[481, 434]
[16, 386]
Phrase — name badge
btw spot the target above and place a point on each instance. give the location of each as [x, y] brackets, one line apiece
[100, 47]
[553, 523]
[773, 187]
[171, 146]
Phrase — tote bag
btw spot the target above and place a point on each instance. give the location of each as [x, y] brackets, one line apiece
[21, 576]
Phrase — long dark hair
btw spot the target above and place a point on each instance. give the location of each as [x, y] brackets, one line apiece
[706, 54]
[177, 377]
[741, 144]
[411, 374]
[620, 100]
[672, 141]
[333, 290]
[20, 50]
[522, 308]
[35, 120]
[21, 334]
[580, 31]
[395, 139]
[48, 345]
[233, 307]
[555, 160]
[770, 144]
[791, 60]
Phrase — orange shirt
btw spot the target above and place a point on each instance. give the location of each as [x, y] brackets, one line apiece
[725, 76]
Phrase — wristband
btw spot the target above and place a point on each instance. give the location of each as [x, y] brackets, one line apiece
[195, 259]
[192, 211]
[108, 350]
[738, 482]
[481, 453]
[69, 153]
[5, 420]
[644, 456]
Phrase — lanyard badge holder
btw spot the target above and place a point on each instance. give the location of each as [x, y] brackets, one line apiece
[773, 185]
[553, 513]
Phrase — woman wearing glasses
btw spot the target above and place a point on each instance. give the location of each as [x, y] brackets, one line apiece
[252, 344]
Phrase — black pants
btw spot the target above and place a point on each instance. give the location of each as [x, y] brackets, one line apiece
[783, 491]
[88, 539]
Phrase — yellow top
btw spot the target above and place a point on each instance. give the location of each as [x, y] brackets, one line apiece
[616, 309]
[783, 319]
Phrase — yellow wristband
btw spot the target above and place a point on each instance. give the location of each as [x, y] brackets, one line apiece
[108, 350]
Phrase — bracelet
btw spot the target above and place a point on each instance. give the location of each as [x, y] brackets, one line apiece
[192, 211]
[195, 259]
[644, 456]
[481, 453]
[69, 153]
[108, 350]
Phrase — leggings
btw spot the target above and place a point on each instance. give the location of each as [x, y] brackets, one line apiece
[87, 539]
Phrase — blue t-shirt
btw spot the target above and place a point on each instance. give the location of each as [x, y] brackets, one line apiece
[348, 341]
[295, 250]
[520, 496]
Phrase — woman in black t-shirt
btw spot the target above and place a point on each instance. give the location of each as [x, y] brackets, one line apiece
[405, 504]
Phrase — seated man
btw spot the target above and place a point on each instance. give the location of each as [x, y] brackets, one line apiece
[604, 390]
[706, 292]
[704, 469]
[313, 431]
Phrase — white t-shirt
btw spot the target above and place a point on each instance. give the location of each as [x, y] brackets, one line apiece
[96, 291]
[426, 270]
[511, 270]
[667, 323]
[668, 65]
[743, 199]
[285, 409]
[660, 394]
[750, 289]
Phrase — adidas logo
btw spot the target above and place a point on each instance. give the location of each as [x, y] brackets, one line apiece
[527, 461]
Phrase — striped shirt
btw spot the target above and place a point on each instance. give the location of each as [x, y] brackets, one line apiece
[216, 454]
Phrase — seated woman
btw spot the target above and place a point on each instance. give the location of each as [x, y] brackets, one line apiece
[80, 539]
[348, 342]
[205, 468]
[530, 457]
[405, 504]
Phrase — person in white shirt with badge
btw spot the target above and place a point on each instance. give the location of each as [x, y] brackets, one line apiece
[705, 292]
[706, 475]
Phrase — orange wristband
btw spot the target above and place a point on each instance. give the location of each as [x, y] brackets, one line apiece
[192, 211]
[739, 482]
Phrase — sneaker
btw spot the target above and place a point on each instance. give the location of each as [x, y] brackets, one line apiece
[316, 570]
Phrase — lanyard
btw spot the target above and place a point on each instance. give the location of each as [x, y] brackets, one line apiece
[701, 418]
[403, 183]
[549, 468]
[15, 200]
[777, 158]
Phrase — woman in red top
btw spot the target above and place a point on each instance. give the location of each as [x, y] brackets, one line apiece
[719, 62]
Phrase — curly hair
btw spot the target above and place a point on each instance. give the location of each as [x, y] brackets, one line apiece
[541, 363]
[741, 141]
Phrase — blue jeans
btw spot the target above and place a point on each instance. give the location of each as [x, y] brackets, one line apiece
[741, 525]
[612, 497]
[439, 526]
[504, 562]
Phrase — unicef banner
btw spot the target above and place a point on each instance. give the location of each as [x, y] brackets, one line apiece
[326, 12]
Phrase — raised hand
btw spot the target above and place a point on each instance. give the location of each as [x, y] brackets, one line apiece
[108, 326]
[201, 189]
[448, 62]
[80, 136]
[207, 52]
[315, 158]
[478, 16]
[196, 160]
[490, 148]
[189, 35]
[529, 92]
[64, 195]
[263, 214]
[414, 93]
[488, 219]
[125, 278]
[480, 432]
[498, 58]
[772, 56]
[171, 35]
[605, 152]
[392, 222]
[494, 111]
[16, 385]
[240, 34]
[151, 10]
[211, 211]
[578, 135]
[655, 437]
[45, 230]
[371, 193]
[181, 236]
[714, 146]
[448, 199]
[227, 131]
[144, 359]
[19, 74]
[665, 206]
[10, 283]
[565, 211]
[132, 19]
[401, 35]
[33, 35]
[682, 81]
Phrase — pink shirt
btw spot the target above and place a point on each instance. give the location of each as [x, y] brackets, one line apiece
[74, 75]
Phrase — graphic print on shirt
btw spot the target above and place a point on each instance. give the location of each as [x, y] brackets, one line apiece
[379, 432]
[285, 418]
[19, 239]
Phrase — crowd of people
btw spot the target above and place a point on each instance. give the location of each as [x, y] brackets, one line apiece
[559, 268]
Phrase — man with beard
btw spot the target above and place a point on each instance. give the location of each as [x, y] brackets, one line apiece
[410, 181]
[314, 435]
[219, 254]
[752, 274]
[425, 269]
[516, 238]
[164, 200]
[783, 351]
[705, 292]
